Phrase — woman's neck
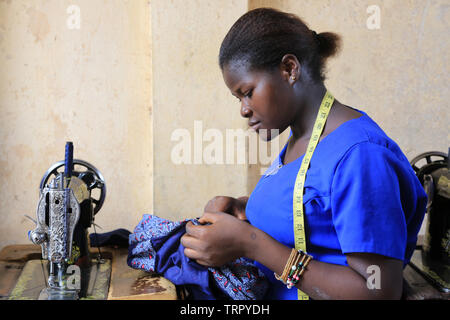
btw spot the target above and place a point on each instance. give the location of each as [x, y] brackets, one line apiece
[306, 115]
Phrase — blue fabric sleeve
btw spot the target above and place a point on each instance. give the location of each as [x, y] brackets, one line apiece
[366, 201]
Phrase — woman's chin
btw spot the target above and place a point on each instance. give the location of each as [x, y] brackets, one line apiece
[267, 134]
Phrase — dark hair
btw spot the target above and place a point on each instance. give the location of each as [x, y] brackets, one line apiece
[261, 37]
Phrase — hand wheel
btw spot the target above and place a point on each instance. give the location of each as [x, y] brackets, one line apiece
[91, 176]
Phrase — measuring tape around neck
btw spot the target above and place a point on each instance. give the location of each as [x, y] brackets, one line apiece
[299, 225]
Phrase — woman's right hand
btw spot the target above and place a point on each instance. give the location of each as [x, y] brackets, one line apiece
[230, 205]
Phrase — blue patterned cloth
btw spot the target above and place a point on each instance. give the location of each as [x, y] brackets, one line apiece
[155, 246]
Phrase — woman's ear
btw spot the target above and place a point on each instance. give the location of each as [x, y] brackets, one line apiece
[290, 68]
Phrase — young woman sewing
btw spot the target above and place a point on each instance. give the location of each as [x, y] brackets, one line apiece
[362, 204]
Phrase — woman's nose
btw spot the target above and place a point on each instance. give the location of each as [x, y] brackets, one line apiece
[245, 111]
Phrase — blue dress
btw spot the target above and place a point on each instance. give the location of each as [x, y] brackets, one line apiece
[361, 195]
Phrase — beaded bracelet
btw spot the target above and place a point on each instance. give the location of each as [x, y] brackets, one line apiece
[287, 267]
[297, 271]
[294, 268]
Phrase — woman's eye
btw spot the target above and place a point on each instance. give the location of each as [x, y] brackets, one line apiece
[248, 94]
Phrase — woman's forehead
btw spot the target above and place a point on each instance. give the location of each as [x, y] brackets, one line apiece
[236, 76]
[235, 79]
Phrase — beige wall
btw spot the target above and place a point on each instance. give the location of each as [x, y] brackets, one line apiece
[90, 85]
[398, 74]
[188, 87]
[138, 70]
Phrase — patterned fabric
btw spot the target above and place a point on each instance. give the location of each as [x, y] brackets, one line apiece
[155, 247]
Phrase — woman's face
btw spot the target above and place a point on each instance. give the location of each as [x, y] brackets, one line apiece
[266, 98]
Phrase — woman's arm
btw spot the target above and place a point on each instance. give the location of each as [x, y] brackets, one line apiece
[228, 238]
[329, 281]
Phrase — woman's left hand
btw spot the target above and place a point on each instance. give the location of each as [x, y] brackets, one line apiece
[215, 244]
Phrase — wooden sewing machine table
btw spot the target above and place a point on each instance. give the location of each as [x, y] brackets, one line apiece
[120, 282]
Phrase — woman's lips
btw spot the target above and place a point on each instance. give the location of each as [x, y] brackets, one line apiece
[255, 125]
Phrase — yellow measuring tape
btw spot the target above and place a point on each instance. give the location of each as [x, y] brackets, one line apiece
[299, 225]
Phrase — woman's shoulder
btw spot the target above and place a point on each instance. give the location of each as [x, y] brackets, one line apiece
[360, 131]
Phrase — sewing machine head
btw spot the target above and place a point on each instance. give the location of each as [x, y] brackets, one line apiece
[433, 258]
[66, 209]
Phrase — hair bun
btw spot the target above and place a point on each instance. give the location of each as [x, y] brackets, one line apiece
[329, 43]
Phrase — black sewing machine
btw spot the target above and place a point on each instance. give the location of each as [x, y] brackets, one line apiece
[66, 209]
[432, 259]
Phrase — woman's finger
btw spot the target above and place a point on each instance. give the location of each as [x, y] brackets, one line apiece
[190, 242]
[203, 263]
[192, 254]
[218, 204]
[209, 217]
[193, 230]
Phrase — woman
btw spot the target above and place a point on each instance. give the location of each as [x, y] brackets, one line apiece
[363, 205]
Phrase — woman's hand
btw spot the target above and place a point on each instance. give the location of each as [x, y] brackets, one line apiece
[233, 206]
[217, 243]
